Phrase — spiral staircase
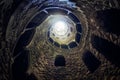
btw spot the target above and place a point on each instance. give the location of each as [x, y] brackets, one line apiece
[60, 40]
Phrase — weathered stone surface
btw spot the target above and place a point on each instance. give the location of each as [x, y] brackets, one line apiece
[14, 19]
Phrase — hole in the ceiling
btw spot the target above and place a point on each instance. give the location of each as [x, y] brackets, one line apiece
[65, 30]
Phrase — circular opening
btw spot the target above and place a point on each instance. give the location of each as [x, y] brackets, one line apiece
[60, 28]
